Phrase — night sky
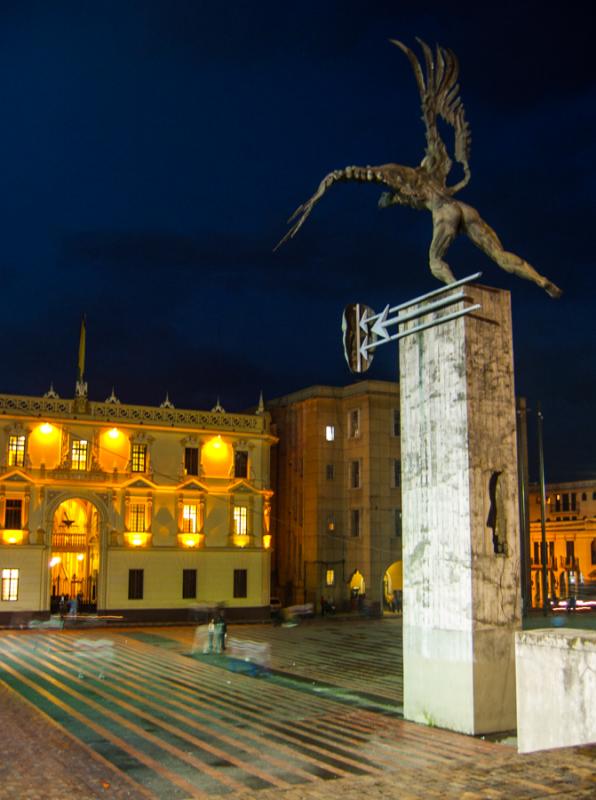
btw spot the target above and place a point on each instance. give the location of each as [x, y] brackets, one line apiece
[152, 152]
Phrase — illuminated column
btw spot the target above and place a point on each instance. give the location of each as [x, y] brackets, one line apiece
[180, 512]
[127, 511]
[149, 514]
[460, 520]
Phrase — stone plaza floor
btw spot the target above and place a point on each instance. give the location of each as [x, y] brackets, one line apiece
[143, 712]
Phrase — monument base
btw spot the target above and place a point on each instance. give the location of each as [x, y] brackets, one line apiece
[460, 518]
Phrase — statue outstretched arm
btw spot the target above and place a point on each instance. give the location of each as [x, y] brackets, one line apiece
[361, 174]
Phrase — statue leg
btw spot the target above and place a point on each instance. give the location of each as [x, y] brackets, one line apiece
[446, 222]
[484, 237]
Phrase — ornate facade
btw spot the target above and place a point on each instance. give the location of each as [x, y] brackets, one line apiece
[137, 511]
[570, 539]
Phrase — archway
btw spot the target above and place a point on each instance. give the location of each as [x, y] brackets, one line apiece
[75, 561]
[393, 588]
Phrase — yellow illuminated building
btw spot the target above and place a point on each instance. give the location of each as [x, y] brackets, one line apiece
[144, 512]
[570, 539]
[336, 473]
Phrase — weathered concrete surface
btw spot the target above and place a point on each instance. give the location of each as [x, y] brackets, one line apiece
[556, 688]
[460, 512]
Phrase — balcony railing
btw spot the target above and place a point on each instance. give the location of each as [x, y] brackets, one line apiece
[73, 540]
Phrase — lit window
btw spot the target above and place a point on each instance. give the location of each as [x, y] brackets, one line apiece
[137, 518]
[13, 514]
[355, 475]
[139, 458]
[355, 522]
[16, 451]
[329, 577]
[189, 518]
[354, 423]
[240, 520]
[331, 523]
[10, 584]
[79, 454]
[330, 433]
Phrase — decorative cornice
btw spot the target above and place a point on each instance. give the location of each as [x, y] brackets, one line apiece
[135, 415]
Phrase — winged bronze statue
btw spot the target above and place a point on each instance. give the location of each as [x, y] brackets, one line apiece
[425, 186]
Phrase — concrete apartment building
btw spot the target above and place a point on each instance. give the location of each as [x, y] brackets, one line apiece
[570, 538]
[336, 510]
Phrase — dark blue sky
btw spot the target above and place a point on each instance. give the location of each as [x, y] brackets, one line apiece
[152, 151]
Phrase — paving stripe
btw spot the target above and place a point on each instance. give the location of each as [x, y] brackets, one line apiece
[144, 739]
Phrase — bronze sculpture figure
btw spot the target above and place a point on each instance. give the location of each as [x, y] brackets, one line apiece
[425, 186]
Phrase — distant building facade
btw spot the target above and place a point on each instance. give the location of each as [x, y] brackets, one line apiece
[570, 538]
[336, 475]
[137, 511]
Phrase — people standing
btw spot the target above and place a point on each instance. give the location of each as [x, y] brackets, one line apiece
[219, 635]
[210, 635]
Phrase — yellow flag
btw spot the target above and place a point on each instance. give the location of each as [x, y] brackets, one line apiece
[82, 349]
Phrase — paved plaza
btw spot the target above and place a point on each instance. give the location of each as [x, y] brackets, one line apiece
[145, 713]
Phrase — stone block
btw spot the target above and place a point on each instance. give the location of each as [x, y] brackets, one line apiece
[556, 688]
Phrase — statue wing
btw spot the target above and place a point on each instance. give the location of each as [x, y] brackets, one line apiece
[439, 93]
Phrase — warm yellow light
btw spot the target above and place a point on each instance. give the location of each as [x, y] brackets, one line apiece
[190, 540]
[55, 560]
[46, 428]
[114, 433]
[80, 557]
[267, 541]
[12, 536]
[137, 540]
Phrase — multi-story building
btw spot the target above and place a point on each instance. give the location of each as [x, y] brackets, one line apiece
[570, 538]
[336, 473]
[138, 511]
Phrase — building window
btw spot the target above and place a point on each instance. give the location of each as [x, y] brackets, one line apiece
[593, 495]
[10, 584]
[397, 522]
[330, 472]
[13, 515]
[78, 455]
[240, 582]
[138, 458]
[137, 518]
[570, 553]
[355, 475]
[135, 584]
[190, 518]
[191, 460]
[189, 584]
[16, 451]
[241, 464]
[537, 558]
[330, 577]
[330, 433]
[396, 422]
[355, 522]
[354, 423]
[396, 476]
[593, 549]
[584, 496]
[240, 520]
[331, 523]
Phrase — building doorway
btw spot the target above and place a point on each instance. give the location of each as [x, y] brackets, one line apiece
[74, 565]
[393, 589]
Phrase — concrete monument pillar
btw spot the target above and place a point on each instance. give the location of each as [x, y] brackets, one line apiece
[461, 564]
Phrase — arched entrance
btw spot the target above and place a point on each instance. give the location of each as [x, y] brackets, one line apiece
[75, 561]
[393, 588]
